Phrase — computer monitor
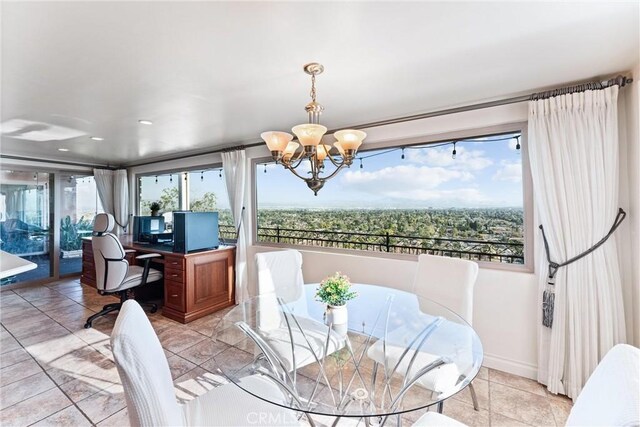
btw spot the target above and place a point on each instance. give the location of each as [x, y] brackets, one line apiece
[145, 225]
[195, 231]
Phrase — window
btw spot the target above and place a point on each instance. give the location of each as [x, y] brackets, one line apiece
[162, 189]
[201, 190]
[407, 200]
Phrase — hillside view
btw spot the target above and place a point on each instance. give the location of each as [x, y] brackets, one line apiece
[473, 233]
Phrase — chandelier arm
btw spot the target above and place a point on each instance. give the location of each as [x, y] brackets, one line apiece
[335, 162]
[293, 171]
[290, 164]
[300, 156]
[332, 173]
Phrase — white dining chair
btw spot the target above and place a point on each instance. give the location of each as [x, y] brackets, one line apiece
[280, 272]
[610, 397]
[449, 282]
[280, 277]
[149, 392]
[435, 419]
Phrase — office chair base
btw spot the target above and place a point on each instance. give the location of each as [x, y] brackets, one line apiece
[116, 307]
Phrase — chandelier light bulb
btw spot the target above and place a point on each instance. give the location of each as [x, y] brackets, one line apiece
[276, 141]
[322, 152]
[309, 134]
[290, 151]
[350, 139]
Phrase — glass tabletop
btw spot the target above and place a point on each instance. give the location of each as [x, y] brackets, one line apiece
[394, 352]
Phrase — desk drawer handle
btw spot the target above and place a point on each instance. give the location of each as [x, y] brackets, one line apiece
[174, 275]
[174, 296]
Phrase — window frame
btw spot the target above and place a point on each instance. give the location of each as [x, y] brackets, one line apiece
[527, 194]
[183, 190]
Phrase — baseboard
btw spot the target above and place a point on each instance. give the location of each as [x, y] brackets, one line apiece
[511, 366]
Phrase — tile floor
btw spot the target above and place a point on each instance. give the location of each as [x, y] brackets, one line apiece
[55, 372]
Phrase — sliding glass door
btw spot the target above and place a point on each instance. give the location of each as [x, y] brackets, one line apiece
[26, 212]
[79, 204]
[43, 218]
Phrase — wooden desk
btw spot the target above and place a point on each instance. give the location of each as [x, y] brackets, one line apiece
[195, 284]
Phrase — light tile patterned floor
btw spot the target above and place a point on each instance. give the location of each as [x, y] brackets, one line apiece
[55, 372]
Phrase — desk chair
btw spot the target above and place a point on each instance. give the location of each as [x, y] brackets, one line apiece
[449, 282]
[114, 275]
[148, 389]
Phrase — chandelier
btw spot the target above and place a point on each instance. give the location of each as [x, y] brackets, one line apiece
[285, 151]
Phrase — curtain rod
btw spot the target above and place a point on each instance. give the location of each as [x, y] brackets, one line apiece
[59, 162]
[620, 80]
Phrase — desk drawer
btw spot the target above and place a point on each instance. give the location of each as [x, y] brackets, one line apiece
[174, 262]
[173, 274]
[174, 295]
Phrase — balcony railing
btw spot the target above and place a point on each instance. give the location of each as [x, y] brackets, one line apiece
[478, 250]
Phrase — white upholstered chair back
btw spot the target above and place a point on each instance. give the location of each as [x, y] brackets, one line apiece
[144, 371]
[611, 396]
[280, 272]
[447, 281]
[108, 254]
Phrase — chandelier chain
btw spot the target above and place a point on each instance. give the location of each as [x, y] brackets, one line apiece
[313, 87]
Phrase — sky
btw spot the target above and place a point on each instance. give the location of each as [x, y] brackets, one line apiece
[485, 173]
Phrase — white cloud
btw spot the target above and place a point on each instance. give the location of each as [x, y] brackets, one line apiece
[466, 159]
[405, 176]
[415, 184]
[509, 171]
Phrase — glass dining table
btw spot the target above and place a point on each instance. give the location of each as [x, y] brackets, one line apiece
[397, 352]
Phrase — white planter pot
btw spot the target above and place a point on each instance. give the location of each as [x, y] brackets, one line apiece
[337, 315]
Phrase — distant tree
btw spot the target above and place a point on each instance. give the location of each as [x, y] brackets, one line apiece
[206, 203]
[170, 199]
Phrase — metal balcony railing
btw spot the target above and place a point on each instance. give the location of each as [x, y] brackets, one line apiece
[477, 250]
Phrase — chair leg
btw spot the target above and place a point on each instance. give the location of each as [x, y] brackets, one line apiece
[152, 307]
[102, 312]
[116, 306]
[474, 397]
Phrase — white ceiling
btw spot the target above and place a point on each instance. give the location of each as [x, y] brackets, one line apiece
[218, 73]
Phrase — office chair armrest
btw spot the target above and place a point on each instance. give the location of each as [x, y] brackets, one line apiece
[147, 261]
[148, 256]
[129, 251]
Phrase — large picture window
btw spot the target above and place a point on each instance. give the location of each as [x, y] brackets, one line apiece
[200, 190]
[407, 200]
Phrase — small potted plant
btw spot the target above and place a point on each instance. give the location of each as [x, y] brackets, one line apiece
[335, 291]
[155, 208]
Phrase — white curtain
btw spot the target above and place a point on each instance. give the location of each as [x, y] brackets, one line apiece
[573, 147]
[113, 189]
[236, 173]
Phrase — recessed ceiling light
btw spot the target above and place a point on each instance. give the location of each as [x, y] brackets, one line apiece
[145, 122]
[63, 149]
[97, 138]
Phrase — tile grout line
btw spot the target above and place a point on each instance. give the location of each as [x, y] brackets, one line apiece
[46, 373]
